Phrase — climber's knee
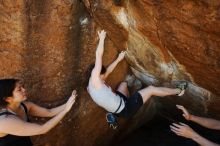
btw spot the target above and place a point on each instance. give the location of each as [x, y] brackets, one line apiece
[147, 92]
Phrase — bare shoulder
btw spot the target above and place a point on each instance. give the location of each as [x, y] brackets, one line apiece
[28, 104]
[2, 118]
[11, 124]
[8, 117]
[96, 82]
[95, 73]
[6, 120]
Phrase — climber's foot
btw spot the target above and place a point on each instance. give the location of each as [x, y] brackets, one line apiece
[130, 80]
[137, 84]
[182, 86]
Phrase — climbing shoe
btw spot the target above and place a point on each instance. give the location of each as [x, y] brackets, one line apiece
[130, 80]
[112, 120]
[182, 86]
[137, 84]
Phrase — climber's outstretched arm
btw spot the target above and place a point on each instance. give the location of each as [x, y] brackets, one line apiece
[112, 66]
[95, 76]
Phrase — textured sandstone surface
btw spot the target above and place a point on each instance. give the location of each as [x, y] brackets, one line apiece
[50, 43]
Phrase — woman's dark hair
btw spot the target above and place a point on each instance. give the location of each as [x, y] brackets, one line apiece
[89, 71]
[7, 87]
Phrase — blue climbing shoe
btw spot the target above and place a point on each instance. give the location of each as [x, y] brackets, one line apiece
[112, 120]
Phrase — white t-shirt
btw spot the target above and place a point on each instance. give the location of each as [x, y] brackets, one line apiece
[106, 98]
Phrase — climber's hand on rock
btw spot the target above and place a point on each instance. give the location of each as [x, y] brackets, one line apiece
[186, 114]
[71, 101]
[183, 130]
[102, 34]
[121, 55]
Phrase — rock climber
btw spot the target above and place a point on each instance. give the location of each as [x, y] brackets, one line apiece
[119, 102]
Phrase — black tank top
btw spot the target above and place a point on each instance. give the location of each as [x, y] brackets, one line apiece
[13, 140]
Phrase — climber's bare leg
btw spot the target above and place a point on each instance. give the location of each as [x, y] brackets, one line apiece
[149, 91]
[123, 88]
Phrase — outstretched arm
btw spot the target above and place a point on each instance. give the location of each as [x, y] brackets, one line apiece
[15, 126]
[112, 66]
[203, 141]
[187, 132]
[206, 122]
[95, 76]
[39, 111]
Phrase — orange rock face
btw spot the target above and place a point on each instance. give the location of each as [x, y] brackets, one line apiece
[50, 44]
[170, 40]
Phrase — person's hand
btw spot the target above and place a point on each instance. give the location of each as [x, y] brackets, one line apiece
[102, 34]
[121, 55]
[70, 101]
[186, 114]
[183, 130]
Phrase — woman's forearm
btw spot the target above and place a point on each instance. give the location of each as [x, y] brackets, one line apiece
[56, 110]
[203, 141]
[206, 122]
[52, 122]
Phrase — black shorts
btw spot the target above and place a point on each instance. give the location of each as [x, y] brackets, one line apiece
[132, 104]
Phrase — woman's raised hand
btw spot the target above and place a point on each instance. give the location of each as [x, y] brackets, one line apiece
[102, 34]
[186, 114]
[71, 101]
